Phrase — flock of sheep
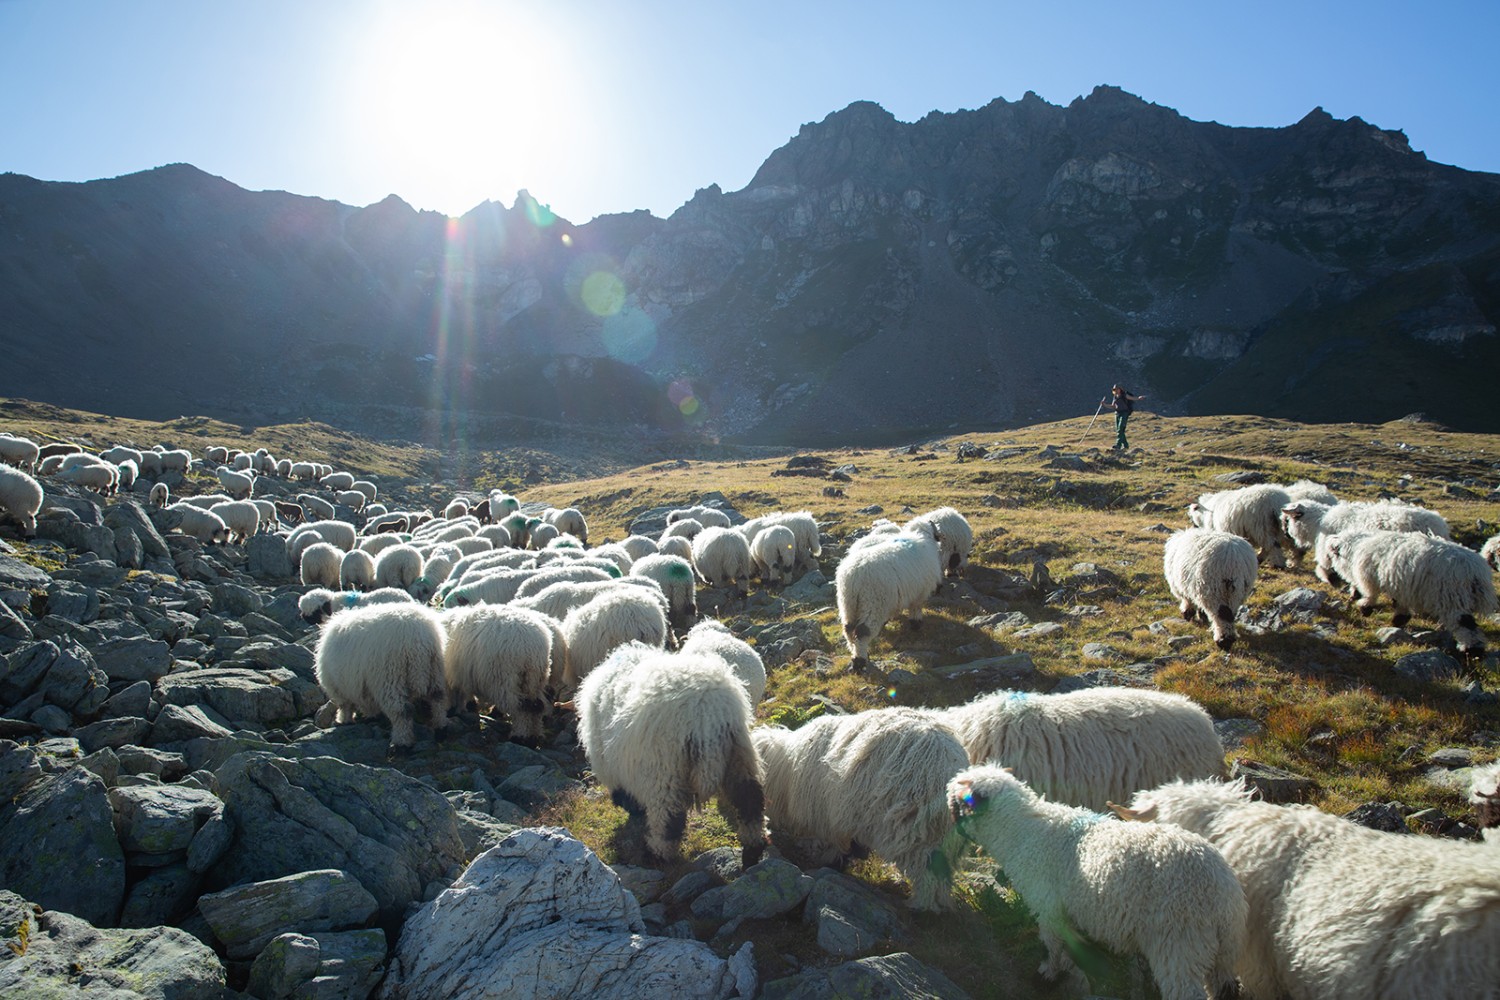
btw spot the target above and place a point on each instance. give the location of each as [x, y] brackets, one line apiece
[482, 604]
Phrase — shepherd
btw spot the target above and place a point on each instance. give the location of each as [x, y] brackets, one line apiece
[1123, 404]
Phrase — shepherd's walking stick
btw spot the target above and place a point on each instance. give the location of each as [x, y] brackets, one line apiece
[1091, 423]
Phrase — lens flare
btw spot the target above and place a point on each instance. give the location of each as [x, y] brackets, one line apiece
[890, 692]
[629, 336]
[682, 396]
[603, 293]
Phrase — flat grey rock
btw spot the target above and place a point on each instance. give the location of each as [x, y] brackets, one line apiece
[247, 916]
[885, 977]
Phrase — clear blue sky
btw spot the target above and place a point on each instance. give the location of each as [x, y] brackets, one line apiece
[602, 106]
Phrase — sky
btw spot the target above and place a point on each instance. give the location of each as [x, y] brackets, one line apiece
[598, 107]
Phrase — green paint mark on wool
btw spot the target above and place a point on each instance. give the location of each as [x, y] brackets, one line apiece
[680, 571]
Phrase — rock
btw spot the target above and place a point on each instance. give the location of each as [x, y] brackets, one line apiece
[352, 964]
[247, 916]
[849, 917]
[1001, 621]
[885, 977]
[1428, 666]
[112, 733]
[128, 551]
[812, 588]
[58, 846]
[768, 889]
[1098, 678]
[210, 843]
[557, 923]
[645, 884]
[1393, 636]
[392, 833]
[1244, 477]
[1452, 757]
[232, 599]
[1387, 816]
[1234, 732]
[12, 625]
[537, 786]
[1273, 783]
[997, 669]
[243, 696]
[1101, 651]
[146, 760]
[73, 680]
[287, 962]
[160, 819]
[129, 517]
[18, 769]
[63, 952]
[180, 723]
[18, 575]
[52, 719]
[163, 896]
[131, 701]
[134, 659]
[267, 557]
[1038, 631]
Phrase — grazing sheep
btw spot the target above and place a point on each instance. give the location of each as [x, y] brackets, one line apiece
[243, 462]
[594, 630]
[1252, 512]
[216, 455]
[320, 603]
[468, 545]
[495, 534]
[304, 471]
[1490, 552]
[119, 453]
[49, 465]
[339, 534]
[150, 464]
[809, 541]
[58, 448]
[1422, 574]
[496, 559]
[127, 473]
[356, 570]
[1306, 489]
[1211, 573]
[541, 579]
[568, 521]
[538, 537]
[711, 637]
[1342, 912]
[353, 499]
[177, 461]
[375, 509]
[267, 514]
[18, 451]
[321, 565]
[1158, 890]
[875, 581]
[369, 489]
[103, 479]
[241, 517]
[376, 544]
[501, 656]
[337, 482]
[1305, 520]
[237, 484]
[675, 577]
[686, 528]
[316, 508]
[639, 546]
[722, 558]
[957, 538]
[290, 513]
[204, 525]
[386, 659]
[556, 600]
[1091, 746]
[615, 553]
[664, 732]
[490, 586]
[502, 505]
[398, 566]
[20, 497]
[456, 509]
[708, 517]
[874, 780]
[775, 553]
[160, 495]
[677, 546]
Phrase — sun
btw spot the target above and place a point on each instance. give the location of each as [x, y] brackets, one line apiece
[464, 101]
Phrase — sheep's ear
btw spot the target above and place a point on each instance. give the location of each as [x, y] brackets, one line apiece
[1145, 815]
[564, 706]
[1292, 512]
[1008, 770]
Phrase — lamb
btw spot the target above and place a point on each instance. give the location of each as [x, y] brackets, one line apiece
[1422, 574]
[568, 521]
[321, 565]
[711, 637]
[873, 779]
[775, 553]
[20, 497]
[675, 577]
[1211, 573]
[957, 538]
[320, 603]
[160, 495]
[356, 570]
[875, 581]
[289, 513]
[204, 525]
[388, 659]
[1252, 512]
[337, 482]
[316, 508]
[1159, 890]
[1089, 747]
[1305, 520]
[18, 451]
[722, 558]
[398, 566]
[594, 630]
[238, 485]
[503, 657]
[1339, 911]
[664, 732]
[241, 517]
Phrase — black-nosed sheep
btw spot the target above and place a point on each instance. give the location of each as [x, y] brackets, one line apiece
[241, 517]
[675, 577]
[384, 659]
[501, 656]
[204, 525]
[722, 558]
[568, 521]
[713, 638]
[356, 570]
[160, 495]
[1210, 573]
[957, 536]
[774, 550]
[876, 580]
[398, 566]
[320, 603]
[18, 451]
[321, 565]
[1306, 520]
[630, 614]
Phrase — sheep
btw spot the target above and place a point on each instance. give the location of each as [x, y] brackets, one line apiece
[1092, 746]
[500, 558]
[1484, 795]
[238, 485]
[264, 464]
[686, 528]
[456, 509]
[538, 537]
[568, 520]
[160, 495]
[1338, 910]
[675, 577]
[356, 570]
[58, 448]
[435, 569]
[874, 582]
[1490, 552]
[21, 497]
[639, 546]
[204, 525]
[375, 509]
[774, 551]
[353, 499]
[541, 579]
[267, 514]
[119, 453]
[241, 517]
[616, 618]
[495, 534]
[206, 501]
[809, 541]
[387, 659]
[444, 529]
[708, 517]
[321, 565]
[1306, 489]
[677, 546]
[502, 505]
[559, 598]
[283, 469]
[103, 479]
[615, 553]
[49, 465]
[177, 461]
[503, 657]
[18, 451]
[150, 464]
[469, 545]
[304, 471]
[1159, 890]
[398, 566]
[316, 508]
[1252, 512]
[519, 527]
[1305, 520]
[320, 603]
[126, 473]
[664, 732]
[288, 513]
[873, 780]
[1422, 574]
[339, 534]
[493, 586]
[216, 455]
[369, 489]
[337, 482]
[1211, 573]
[722, 558]
[562, 545]
[711, 637]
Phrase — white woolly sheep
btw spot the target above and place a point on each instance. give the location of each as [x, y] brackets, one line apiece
[541, 579]
[677, 546]
[337, 482]
[568, 521]
[774, 550]
[957, 538]
[103, 479]
[369, 489]
[709, 517]
[376, 544]
[1490, 552]
[316, 508]
[353, 499]
[1484, 796]
[216, 455]
[613, 552]
[1342, 912]
[243, 462]
[176, 460]
[119, 453]
[356, 571]
[321, 603]
[18, 451]
[384, 659]
[664, 732]
[639, 546]
[267, 510]
[488, 586]
[49, 465]
[711, 637]
[496, 559]
[375, 509]
[686, 528]
[339, 534]
[241, 517]
[1253, 513]
[501, 656]
[398, 566]
[875, 581]
[321, 564]
[127, 473]
[495, 534]
[206, 501]
[21, 497]
[1305, 520]
[809, 541]
[456, 509]
[468, 545]
[160, 495]
[874, 780]
[1089, 747]
[303, 470]
[1423, 575]
[1211, 573]
[558, 599]
[722, 558]
[675, 577]
[1158, 890]
[204, 525]
[538, 537]
[1306, 489]
[237, 484]
[594, 630]
[150, 464]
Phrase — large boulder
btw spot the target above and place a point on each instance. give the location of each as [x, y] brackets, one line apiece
[58, 846]
[243, 696]
[246, 917]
